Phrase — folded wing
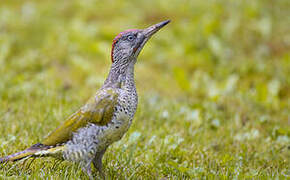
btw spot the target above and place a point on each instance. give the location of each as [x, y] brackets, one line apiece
[98, 110]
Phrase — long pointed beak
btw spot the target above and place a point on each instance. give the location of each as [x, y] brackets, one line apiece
[148, 32]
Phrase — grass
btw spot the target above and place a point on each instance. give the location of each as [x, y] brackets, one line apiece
[213, 85]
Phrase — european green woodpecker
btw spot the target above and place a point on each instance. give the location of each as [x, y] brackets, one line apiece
[106, 117]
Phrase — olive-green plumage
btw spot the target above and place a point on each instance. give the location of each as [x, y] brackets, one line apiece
[106, 117]
[98, 110]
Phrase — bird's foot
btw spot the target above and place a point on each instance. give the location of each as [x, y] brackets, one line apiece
[98, 165]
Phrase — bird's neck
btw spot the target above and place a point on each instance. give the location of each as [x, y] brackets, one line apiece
[121, 75]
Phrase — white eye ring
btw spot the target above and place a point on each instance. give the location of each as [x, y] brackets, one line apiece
[130, 38]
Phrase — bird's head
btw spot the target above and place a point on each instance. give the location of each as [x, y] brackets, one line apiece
[128, 44]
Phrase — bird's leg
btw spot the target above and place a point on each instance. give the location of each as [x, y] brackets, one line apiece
[88, 170]
[97, 161]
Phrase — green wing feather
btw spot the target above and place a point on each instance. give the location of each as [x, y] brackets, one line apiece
[98, 110]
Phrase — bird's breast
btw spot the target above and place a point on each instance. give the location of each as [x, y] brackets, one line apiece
[124, 112]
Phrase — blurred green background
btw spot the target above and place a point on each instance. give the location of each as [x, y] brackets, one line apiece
[213, 85]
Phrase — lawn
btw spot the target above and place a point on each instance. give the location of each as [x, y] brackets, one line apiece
[213, 85]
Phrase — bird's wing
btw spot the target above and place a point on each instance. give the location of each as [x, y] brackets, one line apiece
[98, 110]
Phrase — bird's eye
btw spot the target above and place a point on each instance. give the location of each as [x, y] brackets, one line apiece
[130, 38]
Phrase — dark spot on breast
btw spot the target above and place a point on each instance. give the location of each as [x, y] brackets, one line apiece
[117, 127]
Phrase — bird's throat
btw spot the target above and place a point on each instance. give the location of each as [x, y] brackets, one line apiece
[121, 75]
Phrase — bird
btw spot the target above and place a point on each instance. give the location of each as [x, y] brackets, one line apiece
[85, 135]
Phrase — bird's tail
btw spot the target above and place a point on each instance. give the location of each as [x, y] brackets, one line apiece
[36, 150]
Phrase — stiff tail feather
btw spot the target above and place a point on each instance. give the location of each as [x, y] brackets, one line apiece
[36, 150]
